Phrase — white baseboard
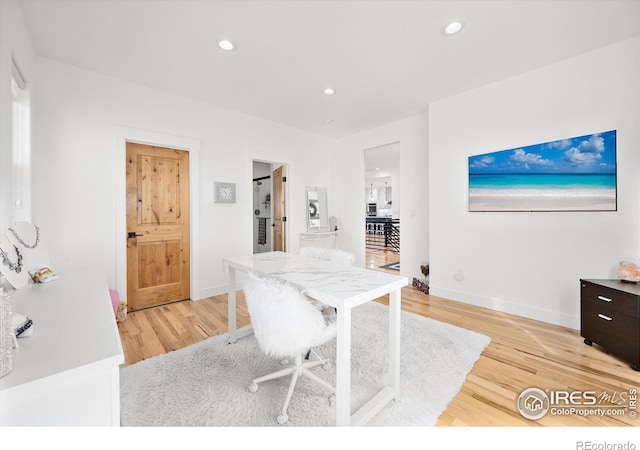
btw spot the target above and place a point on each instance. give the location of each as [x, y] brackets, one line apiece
[220, 289]
[543, 315]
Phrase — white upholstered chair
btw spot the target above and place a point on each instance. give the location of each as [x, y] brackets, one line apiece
[286, 325]
[329, 254]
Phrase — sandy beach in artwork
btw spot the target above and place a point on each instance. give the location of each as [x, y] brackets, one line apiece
[574, 174]
[503, 200]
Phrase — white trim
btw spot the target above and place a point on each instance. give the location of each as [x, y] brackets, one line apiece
[530, 312]
[122, 135]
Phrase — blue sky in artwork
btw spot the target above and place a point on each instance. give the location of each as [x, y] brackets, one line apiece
[593, 153]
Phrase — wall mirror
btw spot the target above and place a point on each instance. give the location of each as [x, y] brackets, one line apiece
[317, 211]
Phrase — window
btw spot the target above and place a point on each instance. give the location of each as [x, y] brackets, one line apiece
[21, 146]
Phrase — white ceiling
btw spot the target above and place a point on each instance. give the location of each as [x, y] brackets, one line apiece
[387, 60]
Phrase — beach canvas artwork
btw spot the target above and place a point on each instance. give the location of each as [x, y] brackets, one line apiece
[574, 174]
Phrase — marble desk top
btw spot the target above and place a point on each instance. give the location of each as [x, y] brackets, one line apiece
[332, 284]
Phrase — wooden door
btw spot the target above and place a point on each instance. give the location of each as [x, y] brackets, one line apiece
[157, 226]
[279, 217]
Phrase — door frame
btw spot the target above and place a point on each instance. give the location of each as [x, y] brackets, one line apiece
[127, 134]
[363, 153]
[287, 197]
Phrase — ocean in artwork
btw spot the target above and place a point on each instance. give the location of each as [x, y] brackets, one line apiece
[576, 174]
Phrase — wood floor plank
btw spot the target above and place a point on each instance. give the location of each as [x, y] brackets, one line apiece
[523, 353]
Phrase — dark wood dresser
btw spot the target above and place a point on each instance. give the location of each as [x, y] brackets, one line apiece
[610, 317]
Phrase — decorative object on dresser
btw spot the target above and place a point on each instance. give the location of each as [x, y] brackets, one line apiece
[610, 317]
[23, 252]
[6, 260]
[628, 271]
[12, 263]
[23, 243]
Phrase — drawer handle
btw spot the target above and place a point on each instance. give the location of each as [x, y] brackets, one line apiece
[602, 316]
[604, 299]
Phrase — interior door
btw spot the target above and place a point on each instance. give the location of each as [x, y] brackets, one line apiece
[157, 226]
[279, 214]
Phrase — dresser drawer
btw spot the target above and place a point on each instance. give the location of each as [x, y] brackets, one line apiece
[610, 300]
[611, 329]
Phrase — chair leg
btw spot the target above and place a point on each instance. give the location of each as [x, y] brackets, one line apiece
[283, 418]
[294, 379]
[299, 368]
[274, 375]
[317, 379]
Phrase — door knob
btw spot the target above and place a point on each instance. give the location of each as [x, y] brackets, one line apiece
[133, 235]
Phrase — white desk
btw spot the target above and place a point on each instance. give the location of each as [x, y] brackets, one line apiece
[343, 287]
[67, 373]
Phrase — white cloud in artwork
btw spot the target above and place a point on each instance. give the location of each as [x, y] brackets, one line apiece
[522, 157]
[587, 152]
[561, 144]
[482, 162]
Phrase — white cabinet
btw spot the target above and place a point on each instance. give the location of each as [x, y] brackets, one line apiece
[67, 373]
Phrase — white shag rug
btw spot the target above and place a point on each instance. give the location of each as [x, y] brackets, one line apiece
[206, 384]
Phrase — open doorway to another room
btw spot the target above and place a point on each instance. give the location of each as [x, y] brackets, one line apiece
[269, 206]
[262, 236]
[382, 207]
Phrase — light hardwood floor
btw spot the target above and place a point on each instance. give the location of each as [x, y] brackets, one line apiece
[523, 353]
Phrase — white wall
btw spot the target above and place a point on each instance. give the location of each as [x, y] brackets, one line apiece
[348, 177]
[79, 115]
[14, 43]
[530, 263]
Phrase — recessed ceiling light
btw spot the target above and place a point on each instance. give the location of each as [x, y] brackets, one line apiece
[226, 45]
[329, 91]
[452, 28]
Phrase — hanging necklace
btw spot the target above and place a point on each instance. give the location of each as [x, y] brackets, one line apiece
[23, 242]
[17, 266]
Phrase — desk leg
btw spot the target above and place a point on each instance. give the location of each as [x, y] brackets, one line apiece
[394, 341]
[231, 304]
[343, 368]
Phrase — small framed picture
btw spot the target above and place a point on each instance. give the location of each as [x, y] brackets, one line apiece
[224, 192]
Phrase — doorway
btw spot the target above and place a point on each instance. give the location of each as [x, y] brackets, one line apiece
[269, 206]
[158, 225]
[381, 209]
